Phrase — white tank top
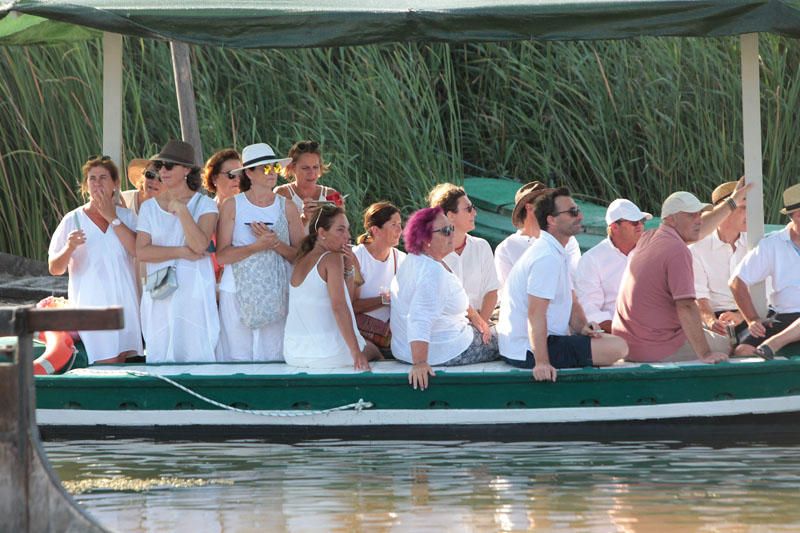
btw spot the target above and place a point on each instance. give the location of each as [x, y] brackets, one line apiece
[299, 201]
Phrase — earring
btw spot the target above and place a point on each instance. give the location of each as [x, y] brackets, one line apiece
[323, 238]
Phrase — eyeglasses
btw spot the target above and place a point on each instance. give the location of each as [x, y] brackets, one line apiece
[632, 222]
[573, 211]
[445, 230]
[166, 164]
[470, 208]
[307, 146]
[151, 175]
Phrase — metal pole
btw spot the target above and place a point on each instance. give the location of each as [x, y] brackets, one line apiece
[751, 125]
[112, 97]
[184, 88]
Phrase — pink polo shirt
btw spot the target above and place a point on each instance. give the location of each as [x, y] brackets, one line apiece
[658, 273]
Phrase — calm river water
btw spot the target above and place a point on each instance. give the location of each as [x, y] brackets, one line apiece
[131, 485]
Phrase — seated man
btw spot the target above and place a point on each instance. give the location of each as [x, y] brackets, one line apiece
[600, 269]
[542, 325]
[714, 260]
[511, 249]
[777, 257]
[656, 311]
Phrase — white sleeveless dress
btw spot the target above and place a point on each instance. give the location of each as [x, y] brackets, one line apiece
[237, 342]
[312, 337]
[296, 200]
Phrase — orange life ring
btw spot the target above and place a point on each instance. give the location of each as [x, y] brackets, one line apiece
[59, 348]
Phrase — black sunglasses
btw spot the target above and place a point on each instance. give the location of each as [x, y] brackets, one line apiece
[151, 175]
[99, 158]
[573, 212]
[445, 230]
[307, 146]
[470, 208]
[166, 164]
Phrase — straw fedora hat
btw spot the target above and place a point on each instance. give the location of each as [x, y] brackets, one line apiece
[526, 194]
[260, 154]
[722, 192]
[791, 199]
[135, 171]
[178, 152]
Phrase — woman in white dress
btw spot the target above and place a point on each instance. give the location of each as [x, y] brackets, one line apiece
[321, 328]
[221, 179]
[378, 261]
[304, 171]
[144, 178]
[257, 238]
[174, 230]
[96, 244]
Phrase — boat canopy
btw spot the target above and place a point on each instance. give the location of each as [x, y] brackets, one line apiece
[310, 23]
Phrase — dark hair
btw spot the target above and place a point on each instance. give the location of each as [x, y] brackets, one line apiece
[419, 229]
[214, 165]
[377, 214]
[98, 161]
[446, 196]
[193, 179]
[545, 205]
[306, 147]
[323, 218]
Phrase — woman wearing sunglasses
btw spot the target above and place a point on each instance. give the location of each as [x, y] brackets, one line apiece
[429, 305]
[96, 244]
[257, 238]
[174, 232]
[146, 184]
[220, 180]
[303, 171]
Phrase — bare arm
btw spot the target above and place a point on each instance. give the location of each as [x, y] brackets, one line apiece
[58, 264]
[537, 335]
[227, 253]
[741, 294]
[332, 271]
[488, 304]
[711, 219]
[147, 252]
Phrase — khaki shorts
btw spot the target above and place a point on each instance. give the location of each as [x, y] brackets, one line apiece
[717, 343]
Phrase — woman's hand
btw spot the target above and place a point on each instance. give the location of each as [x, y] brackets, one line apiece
[104, 203]
[177, 208]
[310, 207]
[481, 325]
[418, 375]
[75, 239]
[265, 237]
[360, 361]
[189, 255]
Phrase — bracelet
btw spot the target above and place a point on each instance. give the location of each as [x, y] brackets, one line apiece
[731, 203]
[350, 272]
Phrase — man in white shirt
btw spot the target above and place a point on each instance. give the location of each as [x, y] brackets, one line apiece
[600, 269]
[776, 257]
[714, 259]
[511, 249]
[539, 312]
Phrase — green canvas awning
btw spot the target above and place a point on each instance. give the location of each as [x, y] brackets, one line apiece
[305, 23]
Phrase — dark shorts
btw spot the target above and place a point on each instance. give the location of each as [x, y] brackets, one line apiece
[784, 320]
[570, 351]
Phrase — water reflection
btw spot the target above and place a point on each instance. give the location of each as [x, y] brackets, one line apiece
[443, 486]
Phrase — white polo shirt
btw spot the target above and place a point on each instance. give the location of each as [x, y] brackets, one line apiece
[542, 271]
[511, 249]
[713, 262]
[775, 258]
[475, 268]
[598, 278]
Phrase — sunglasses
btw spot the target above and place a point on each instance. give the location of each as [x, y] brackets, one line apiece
[470, 208]
[99, 158]
[445, 230]
[165, 164]
[573, 212]
[275, 168]
[307, 146]
[151, 175]
[232, 175]
[631, 222]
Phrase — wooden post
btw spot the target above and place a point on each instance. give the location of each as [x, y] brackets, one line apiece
[31, 496]
[184, 88]
[751, 126]
[112, 97]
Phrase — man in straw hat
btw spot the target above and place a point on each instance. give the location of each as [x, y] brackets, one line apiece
[777, 256]
[511, 249]
[714, 260]
[656, 310]
[600, 269]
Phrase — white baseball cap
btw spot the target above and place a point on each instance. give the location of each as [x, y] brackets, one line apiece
[682, 202]
[622, 209]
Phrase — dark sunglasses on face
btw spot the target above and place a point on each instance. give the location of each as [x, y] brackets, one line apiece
[151, 175]
[167, 165]
[573, 212]
[446, 230]
[470, 208]
[232, 175]
[631, 222]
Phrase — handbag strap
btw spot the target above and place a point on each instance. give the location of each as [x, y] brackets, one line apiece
[394, 259]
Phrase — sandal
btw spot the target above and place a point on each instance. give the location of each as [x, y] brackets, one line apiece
[765, 352]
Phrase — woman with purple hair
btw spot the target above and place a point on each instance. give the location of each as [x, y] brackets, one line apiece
[429, 305]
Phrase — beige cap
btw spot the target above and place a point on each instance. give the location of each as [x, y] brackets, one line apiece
[682, 202]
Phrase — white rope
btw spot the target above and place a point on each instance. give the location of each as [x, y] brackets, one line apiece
[358, 406]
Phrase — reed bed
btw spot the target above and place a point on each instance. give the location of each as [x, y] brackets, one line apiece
[638, 118]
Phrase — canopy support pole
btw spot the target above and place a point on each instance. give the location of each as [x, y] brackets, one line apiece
[112, 97]
[184, 88]
[751, 126]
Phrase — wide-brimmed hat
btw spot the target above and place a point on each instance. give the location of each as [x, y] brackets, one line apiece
[136, 169]
[722, 192]
[622, 209]
[260, 154]
[791, 199]
[526, 194]
[682, 202]
[178, 152]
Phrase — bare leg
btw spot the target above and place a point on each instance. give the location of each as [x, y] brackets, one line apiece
[372, 353]
[787, 336]
[608, 349]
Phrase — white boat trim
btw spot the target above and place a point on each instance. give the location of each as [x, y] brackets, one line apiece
[418, 417]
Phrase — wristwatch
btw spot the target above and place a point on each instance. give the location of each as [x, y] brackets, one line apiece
[116, 222]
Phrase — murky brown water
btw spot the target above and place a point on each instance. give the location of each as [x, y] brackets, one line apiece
[421, 486]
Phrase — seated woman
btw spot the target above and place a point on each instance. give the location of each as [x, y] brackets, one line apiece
[257, 236]
[320, 328]
[220, 178]
[471, 260]
[378, 261]
[180, 322]
[429, 305]
[146, 184]
[304, 170]
[96, 244]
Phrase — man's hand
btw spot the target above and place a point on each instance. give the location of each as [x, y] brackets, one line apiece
[713, 358]
[544, 372]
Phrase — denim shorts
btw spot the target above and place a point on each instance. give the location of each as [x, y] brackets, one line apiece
[566, 351]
